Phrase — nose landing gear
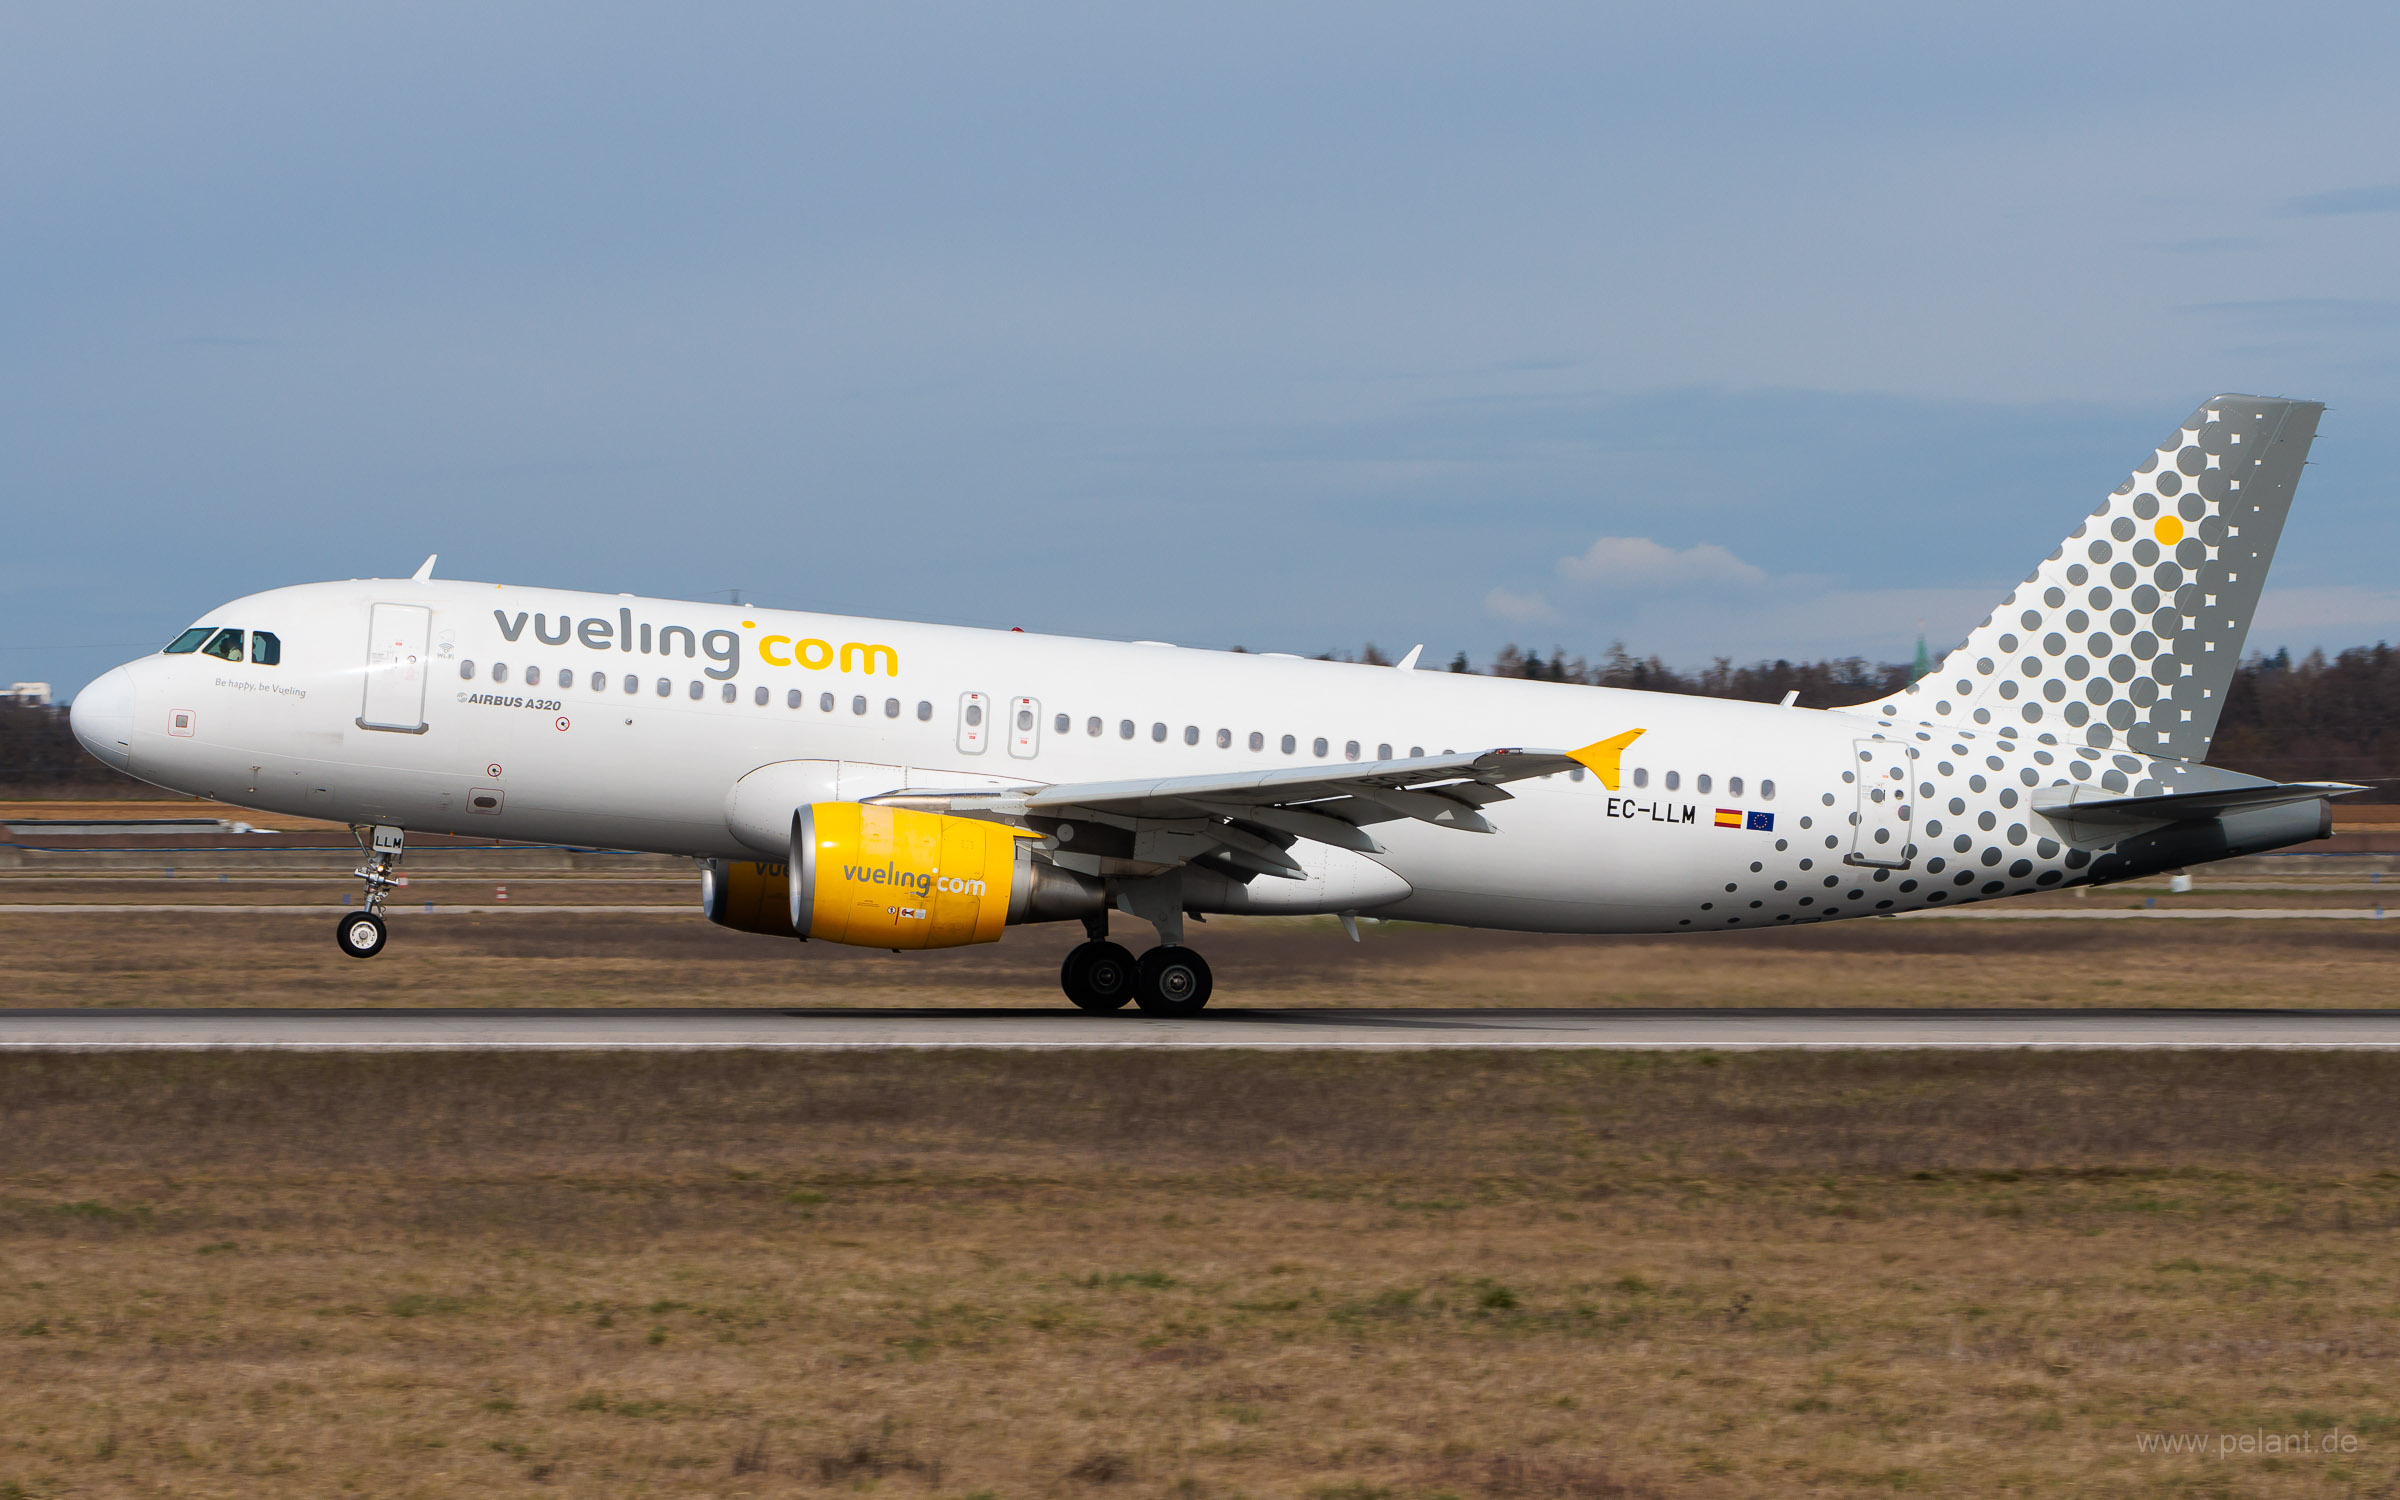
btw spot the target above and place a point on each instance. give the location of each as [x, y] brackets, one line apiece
[361, 933]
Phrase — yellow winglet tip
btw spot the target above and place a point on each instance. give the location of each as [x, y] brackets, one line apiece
[1602, 757]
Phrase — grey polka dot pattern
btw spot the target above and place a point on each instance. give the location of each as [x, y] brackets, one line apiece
[2127, 636]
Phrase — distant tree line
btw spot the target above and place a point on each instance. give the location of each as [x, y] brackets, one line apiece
[38, 755]
[2310, 718]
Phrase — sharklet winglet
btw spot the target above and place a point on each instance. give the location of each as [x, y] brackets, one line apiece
[1602, 757]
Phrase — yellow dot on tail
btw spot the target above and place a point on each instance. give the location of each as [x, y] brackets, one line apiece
[2169, 530]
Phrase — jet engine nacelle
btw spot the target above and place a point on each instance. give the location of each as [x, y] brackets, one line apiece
[892, 877]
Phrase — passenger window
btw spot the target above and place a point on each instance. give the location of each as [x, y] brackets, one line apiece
[1319, 747]
[566, 678]
[189, 641]
[697, 690]
[666, 689]
[533, 676]
[794, 698]
[1158, 734]
[1575, 774]
[1125, 729]
[226, 647]
[924, 710]
[1674, 780]
[729, 692]
[499, 671]
[1733, 786]
[1257, 741]
[891, 708]
[633, 684]
[1641, 775]
[266, 649]
[825, 703]
[1191, 734]
[1383, 752]
[1059, 724]
[466, 671]
[858, 703]
[1701, 781]
[1766, 791]
[1290, 744]
[1092, 728]
[1350, 750]
[760, 697]
[1224, 739]
[1415, 752]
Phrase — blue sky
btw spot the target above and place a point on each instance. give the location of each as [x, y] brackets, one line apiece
[1752, 330]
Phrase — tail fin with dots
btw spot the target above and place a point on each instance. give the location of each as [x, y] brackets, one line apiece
[2129, 633]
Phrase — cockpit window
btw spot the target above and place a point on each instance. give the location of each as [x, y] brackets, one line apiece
[226, 647]
[266, 649]
[190, 640]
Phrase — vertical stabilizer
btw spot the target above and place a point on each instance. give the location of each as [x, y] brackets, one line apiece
[2129, 633]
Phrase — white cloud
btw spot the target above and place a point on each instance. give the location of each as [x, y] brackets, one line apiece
[1637, 564]
[1520, 609]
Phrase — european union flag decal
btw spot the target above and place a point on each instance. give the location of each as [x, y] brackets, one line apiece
[1762, 822]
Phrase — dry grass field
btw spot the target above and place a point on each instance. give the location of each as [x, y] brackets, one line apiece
[533, 959]
[1389, 1277]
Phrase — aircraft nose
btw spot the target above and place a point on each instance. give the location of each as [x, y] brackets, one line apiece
[102, 717]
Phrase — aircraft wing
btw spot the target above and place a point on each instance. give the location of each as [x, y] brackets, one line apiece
[1247, 819]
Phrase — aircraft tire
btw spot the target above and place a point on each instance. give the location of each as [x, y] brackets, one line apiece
[360, 934]
[1098, 976]
[1173, 981]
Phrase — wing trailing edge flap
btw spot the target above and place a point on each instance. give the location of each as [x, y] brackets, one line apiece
[1249, 819]
[2076, 805]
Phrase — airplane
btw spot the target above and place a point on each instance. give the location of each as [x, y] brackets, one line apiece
[909, 786]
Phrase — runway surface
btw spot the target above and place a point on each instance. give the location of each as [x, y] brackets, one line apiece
[685, 908]
[1385, 1030]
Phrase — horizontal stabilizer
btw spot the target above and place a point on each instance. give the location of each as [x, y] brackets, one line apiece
[2067, 804]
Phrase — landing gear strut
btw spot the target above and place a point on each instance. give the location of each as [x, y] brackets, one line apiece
[361, 933]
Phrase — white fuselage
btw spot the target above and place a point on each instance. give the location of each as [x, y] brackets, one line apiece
[568, 727]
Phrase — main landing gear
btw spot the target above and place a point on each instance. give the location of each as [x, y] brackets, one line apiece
[1169, 980]
[361, 933]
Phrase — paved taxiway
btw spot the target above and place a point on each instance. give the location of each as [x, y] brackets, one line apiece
[1387, 1030]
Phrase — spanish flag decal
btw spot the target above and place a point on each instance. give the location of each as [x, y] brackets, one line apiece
[1728, 817]
[1602, 757]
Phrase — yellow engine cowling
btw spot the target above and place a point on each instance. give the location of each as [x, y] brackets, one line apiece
[894, 877]
[748, 895]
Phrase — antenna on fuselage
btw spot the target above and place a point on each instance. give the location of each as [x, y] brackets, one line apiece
[1408, 663]
[424, 573]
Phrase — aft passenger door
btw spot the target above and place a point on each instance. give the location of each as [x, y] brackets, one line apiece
[1884, 828]
[396, 662]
